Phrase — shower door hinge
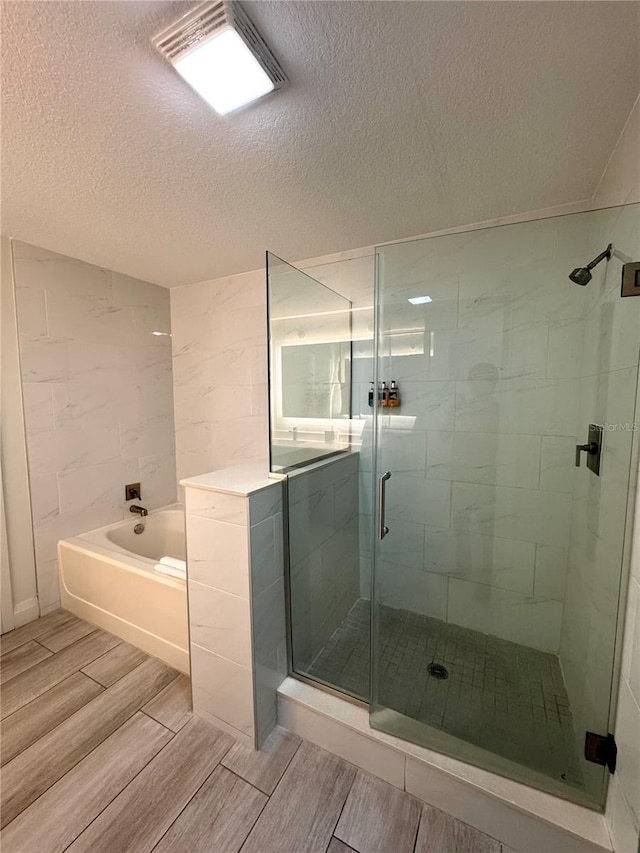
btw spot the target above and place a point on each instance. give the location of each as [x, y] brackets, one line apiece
[601, 749]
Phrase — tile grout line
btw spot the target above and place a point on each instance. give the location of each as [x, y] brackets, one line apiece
[191, 798]
[144, 767]
[62, 722]
[91, 751]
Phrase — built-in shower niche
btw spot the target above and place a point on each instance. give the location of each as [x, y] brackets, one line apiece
[309, 368]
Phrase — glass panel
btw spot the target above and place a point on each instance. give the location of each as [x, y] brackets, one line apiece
[309, 365]
[322, 439]
[496, 590]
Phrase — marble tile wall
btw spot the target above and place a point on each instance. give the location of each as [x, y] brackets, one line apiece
[482, 449]
[219, 342]
[323, 552]
[98, 397]
[236, 601]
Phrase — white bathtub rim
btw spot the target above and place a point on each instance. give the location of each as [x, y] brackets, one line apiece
[133, 562]
[95, 536]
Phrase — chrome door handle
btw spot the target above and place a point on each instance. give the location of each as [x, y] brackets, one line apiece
[382, 483]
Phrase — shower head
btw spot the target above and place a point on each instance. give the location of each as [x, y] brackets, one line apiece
[582, 275]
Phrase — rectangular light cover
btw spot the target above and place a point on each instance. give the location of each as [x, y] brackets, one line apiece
[420, 300]
[224, 72]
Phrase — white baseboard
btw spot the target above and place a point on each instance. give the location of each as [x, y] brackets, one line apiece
[524, 818]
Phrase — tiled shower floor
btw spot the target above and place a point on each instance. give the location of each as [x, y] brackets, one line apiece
[501, 696]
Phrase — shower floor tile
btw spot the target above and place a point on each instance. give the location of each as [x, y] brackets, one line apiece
[501, 696]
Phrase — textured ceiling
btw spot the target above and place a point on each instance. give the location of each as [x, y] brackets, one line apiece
[401, 118]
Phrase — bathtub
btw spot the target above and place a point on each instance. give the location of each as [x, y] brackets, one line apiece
[107, 577]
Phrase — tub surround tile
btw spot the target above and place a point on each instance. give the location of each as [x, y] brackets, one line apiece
[45, 499]
[37, 399]
[92, 485]
[97, 389]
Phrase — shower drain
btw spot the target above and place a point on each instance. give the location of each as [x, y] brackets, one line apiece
[438, 670]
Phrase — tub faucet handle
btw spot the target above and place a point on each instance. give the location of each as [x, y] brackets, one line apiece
[132, 492]
[140, 510]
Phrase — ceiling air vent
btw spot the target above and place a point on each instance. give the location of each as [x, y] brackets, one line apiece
[231, 55]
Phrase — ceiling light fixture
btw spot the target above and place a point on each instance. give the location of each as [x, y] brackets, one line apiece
[420, 300]
[221, 55]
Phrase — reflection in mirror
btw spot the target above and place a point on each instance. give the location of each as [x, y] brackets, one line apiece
[310, 367]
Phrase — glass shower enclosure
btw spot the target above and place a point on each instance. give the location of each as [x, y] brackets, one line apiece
[460, 564]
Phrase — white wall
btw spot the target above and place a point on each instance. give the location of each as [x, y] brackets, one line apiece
[23, 600]
[621, 183]
[98, 398]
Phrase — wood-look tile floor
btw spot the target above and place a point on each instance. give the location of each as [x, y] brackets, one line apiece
[101, 753]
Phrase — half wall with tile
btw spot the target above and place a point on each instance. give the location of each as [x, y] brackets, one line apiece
[235, 574]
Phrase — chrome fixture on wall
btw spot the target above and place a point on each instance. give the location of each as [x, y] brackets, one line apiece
[140, 510]
[582, 275]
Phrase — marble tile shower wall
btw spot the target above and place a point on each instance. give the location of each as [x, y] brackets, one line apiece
[482, 448]
[98, 397]
[219, 341]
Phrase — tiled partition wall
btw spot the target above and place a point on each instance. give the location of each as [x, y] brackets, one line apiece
[323, 552]
[235, 571]
[98, 397]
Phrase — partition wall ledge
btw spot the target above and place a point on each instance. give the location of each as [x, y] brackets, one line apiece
[522, 817]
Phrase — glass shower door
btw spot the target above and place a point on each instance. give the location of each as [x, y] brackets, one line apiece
[497, 586]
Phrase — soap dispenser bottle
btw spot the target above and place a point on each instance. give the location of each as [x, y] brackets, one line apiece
[384, 394]
[394, 394]
[371, 395]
